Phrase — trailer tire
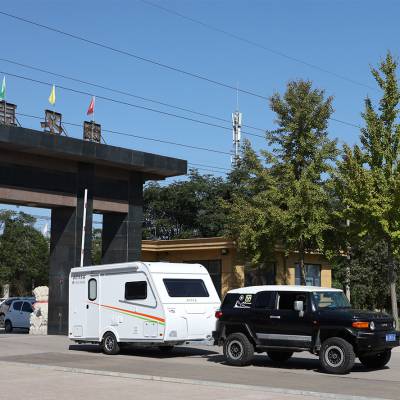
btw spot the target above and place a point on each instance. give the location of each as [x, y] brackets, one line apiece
[109, 344]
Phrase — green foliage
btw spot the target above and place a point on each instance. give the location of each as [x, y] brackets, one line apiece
[96, 246]
[250, 208]
[185, 209]
[24, 253]
[368, 274]
[282, 199]
[368, 179]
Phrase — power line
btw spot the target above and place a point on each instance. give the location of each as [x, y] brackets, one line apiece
[125, 93]
[171, 68]
[211, 170]
[255, 44]
[149, 108]
[133, 55]
[211, 166]
[188, 146]
[128, 104]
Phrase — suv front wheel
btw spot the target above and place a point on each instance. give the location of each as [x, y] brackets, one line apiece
[238, 350]
[336, 356]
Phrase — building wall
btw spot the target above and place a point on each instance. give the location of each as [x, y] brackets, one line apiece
[232, 272]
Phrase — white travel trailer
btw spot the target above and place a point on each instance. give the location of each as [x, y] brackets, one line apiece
[149, 303]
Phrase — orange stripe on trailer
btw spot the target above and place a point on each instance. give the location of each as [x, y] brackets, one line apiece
[132, 312]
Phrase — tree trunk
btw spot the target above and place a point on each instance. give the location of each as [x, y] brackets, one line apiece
[392, 283]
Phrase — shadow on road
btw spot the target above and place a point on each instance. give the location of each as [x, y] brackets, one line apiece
[295, 363]
[149, 352]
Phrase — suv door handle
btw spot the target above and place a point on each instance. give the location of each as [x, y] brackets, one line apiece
[275, 316]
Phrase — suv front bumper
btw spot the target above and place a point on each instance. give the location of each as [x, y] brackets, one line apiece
[371, 342]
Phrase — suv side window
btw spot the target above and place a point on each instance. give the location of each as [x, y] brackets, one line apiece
[265, 300]
[286, 300]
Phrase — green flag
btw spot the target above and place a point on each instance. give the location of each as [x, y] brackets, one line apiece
[3, 89]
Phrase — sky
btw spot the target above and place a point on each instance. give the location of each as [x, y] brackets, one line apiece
[344, 37]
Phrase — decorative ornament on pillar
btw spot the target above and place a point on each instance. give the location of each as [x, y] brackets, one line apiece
[52, 122]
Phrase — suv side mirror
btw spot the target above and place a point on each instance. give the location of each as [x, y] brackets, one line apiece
[298, 306]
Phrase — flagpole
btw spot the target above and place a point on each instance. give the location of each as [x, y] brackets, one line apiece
[93, 119]
[83, 227]
[5, 104]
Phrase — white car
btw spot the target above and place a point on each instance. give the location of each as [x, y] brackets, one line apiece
[18, 315]
[5, 305]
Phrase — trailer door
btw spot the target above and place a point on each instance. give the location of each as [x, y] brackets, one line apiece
[92, 307]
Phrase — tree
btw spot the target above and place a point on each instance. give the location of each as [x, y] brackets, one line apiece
[364, 271]
[369, 175]
[251, 207]
[24, 253]
[96, 246]
[282, 199]
[301, 162]
[185, 209]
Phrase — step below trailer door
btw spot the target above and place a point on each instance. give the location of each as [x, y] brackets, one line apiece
[92, 307]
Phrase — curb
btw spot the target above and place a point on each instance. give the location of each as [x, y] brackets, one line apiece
[268, 389]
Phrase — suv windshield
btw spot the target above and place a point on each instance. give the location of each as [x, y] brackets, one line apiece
[330, 300]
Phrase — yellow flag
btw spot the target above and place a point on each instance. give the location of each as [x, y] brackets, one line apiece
[52, 97]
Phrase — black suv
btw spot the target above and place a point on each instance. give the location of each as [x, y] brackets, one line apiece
[282, 320]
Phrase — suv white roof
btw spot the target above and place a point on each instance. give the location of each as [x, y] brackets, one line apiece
[286, 288]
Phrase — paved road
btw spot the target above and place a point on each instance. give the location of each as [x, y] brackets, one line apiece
[203, 363]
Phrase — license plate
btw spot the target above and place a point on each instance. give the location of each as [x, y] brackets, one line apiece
[391, 337]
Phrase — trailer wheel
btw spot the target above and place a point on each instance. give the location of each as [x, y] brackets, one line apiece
[109, 344]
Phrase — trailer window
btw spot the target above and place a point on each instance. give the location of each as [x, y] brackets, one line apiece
[186, 288]
[92, 289]
[136, 290]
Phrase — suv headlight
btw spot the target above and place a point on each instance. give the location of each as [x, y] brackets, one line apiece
[372, 325]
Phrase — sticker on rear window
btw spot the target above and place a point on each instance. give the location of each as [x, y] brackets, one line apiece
[244, 301]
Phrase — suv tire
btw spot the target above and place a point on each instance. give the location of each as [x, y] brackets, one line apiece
[376, 361]
[2, 319]
[238, 350]
[336, 356]
[8, 326]
[109, 344]
[279, 356]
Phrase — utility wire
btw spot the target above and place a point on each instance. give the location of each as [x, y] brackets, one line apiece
[256, 44]
[137, 136]
[133, 55]
[125, 93]
[151, 109]
[128, 104]
[171, 68]
[211, 166]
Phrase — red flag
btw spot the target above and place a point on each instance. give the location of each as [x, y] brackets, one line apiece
[91, 106]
